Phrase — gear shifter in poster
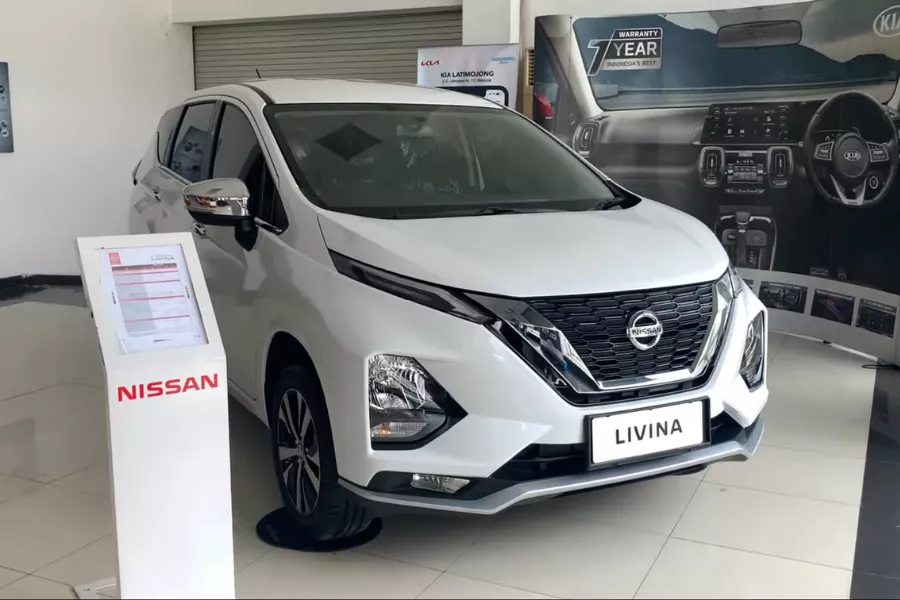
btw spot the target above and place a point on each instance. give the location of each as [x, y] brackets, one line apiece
[776, 126]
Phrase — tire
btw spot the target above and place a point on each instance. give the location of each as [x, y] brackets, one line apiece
[323, 513]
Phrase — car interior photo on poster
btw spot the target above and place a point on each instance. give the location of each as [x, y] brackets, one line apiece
[769, 124]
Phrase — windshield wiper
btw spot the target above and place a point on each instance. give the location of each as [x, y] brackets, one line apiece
[617, 202]
[510, 210]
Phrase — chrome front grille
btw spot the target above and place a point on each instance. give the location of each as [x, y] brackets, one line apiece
[595, 326]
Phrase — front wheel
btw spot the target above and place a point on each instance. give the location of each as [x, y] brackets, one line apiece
[305, 464]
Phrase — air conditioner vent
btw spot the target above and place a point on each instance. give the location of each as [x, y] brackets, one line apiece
[586, 137]
[529, 61]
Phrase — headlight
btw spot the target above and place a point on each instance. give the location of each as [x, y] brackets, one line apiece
[405, 403]
[419, 292]
[737, 282]
[754, 359]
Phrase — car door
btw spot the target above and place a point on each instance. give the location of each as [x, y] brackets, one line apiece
[146, 210]
[187, 162]
[230, 255]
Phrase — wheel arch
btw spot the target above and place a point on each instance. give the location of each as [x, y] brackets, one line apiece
[284, 349]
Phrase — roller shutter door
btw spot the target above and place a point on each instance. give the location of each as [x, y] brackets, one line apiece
[378, 47]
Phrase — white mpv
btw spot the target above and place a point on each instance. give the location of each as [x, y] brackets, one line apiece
[436, 305]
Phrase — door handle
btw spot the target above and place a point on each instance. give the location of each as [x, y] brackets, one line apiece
[155, 192]
[199, 229]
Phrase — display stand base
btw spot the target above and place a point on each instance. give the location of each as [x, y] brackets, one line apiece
[105, 588]
[277, 529]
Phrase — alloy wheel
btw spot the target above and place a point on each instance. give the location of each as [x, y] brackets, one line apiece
[298, 452]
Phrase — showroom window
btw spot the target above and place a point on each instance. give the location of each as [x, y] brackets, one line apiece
[164, 132]
[239, 154]
[190, 144]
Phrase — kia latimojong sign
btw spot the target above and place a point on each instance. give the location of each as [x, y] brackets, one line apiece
[165, 373]
[491, 72]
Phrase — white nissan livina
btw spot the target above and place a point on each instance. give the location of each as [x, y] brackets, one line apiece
[436, 305]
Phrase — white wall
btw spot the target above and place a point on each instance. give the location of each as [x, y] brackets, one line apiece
[491, 21]
[89, 80]
[198, 12]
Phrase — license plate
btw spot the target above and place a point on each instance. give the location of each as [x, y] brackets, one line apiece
[623, 436]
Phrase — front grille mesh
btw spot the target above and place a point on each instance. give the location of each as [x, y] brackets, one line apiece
[596, 327]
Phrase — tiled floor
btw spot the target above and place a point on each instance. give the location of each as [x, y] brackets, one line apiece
[782, 525]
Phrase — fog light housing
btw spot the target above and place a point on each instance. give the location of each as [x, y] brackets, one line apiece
[754, 359]
[438, 483]
[405, 403]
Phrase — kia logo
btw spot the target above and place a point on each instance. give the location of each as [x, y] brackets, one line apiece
[430, 63]
[887, 23]
[852, 155]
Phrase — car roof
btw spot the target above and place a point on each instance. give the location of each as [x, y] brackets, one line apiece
[351, 91]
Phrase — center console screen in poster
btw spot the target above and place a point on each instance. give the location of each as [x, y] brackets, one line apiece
[773, 125]
[490, 72]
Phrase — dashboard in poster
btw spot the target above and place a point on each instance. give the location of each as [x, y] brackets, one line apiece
[759, 123]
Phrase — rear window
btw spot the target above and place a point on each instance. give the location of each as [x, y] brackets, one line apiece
[164, 132]
[409, 161]
[189, 148]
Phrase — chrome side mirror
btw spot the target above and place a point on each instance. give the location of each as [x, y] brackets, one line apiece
[218, 201]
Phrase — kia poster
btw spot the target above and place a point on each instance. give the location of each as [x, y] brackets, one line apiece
[776, 126]
[491, 72]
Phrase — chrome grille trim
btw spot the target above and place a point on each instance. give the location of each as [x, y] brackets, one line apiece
[563, 366]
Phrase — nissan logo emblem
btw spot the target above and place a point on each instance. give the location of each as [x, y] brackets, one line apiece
[887, 23]
[852, 155]
[644, 330]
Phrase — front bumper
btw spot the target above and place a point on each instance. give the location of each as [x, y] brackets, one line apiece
[742, 447]
[508, 407]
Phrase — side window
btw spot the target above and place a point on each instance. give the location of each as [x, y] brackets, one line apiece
[239, 154]
[164, 133]
[190, 143]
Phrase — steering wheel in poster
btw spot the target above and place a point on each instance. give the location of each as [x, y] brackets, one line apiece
[850, 160]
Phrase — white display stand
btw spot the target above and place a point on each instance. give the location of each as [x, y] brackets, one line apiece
[167, 409]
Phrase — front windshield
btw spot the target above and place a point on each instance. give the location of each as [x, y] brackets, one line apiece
[844, 44]
[416, 161]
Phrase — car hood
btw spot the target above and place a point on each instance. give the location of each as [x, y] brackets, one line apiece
[539, 254]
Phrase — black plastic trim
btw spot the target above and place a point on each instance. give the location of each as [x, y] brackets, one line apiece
[448, 424]
[40, 280]
[566, 459]
[265, 97]
[348, 267]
